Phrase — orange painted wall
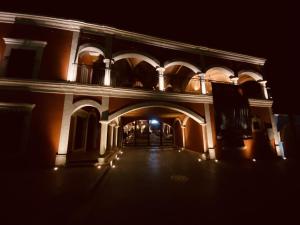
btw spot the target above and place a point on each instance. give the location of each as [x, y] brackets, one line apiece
[45, 124]
[193, 136]
[56, 54]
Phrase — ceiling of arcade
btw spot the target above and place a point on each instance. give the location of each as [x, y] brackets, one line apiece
[161, 114]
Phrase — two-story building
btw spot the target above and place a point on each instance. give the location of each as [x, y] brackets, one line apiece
[71, 90]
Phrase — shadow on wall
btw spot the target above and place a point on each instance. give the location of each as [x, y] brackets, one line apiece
[289, 129]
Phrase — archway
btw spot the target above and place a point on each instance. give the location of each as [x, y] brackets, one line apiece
[134, 70]
[84, 134]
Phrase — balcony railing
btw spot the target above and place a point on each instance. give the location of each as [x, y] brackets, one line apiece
[87, 74]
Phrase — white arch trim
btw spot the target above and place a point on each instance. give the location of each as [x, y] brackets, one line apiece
[192, 67]
[153, 62]
[226, 71]
[89, 48]
[254, 75]
[86, 102]
[166, 105]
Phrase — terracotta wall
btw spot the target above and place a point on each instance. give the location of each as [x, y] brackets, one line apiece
[193, 136]
[56, 54]
[45, 124]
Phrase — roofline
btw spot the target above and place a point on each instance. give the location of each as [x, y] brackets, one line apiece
[77, 26]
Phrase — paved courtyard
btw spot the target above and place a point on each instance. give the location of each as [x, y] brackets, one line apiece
[155, 187]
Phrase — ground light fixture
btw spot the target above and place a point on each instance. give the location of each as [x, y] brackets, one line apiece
[199, 159]
[254, 160]
[98, 167]
[55, 168]
[284, 158]
[111, 164]
[216, 161]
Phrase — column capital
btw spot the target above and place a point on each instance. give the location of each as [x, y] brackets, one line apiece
[183, 126]
[262, 82]
[108, 61]
[104, 122]
[234, 80]
[160, 70]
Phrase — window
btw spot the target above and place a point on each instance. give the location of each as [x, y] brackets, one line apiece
[22, 58]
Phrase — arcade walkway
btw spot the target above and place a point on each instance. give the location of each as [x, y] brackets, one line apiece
[154, 187]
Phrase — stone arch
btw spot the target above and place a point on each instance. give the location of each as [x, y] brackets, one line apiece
[86, 102]
[192, 67]
[219, 69]
[246, 75]
[145, 57]
[90, 48]
[167, 105]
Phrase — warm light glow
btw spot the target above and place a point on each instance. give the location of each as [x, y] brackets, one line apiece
[254, 160]
[94, 53]
[113, 166]
[55, 168]
[216, 160]
[121, 152]
[284, 158]
[199, 160]
[179, 150]
[98, 167]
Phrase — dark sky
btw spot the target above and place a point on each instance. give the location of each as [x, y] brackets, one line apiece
[260, 29]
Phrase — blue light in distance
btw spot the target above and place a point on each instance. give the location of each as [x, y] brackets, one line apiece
[153, 121]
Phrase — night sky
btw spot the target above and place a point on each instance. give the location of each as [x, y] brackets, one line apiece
[254, 28]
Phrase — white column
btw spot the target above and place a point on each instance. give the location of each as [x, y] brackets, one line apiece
[60, 159]
[202, 82]
[204, 137]
[264, 88]
[116, 136]
[103, 136]
[72, 67]
[183, 135]
[111, 136]
[161, 79]
[108, 63]
[210, 143]
[234, 80]
[279, 149]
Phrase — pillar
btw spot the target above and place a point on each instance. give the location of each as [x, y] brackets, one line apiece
[111, 136]
[107, 74]
[161, 79]
[72, 68]
[202, 83]
[116, 136]
[264, 88]
[210, 143]
[103, 136]
[204, 137]
[278, 147]
[183, 135]
[234, 80]
[61, 156]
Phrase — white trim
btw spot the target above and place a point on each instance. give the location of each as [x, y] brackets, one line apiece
[152, 104]
[224, 70]
[86, 102]
[75, 25]
[152, 61]
[17, 105]
[25, 42]
[72, 69]
[12, 43]
[254, 75]
[90, 90]
[192, 67]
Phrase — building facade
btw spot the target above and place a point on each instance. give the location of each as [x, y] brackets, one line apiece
[71, 90]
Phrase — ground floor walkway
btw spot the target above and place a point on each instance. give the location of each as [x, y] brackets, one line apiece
[154, 186]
